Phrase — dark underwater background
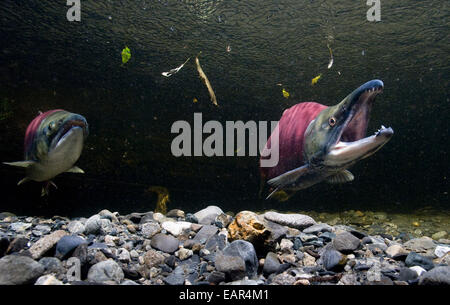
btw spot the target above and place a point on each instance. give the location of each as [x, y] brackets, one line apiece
[47, 62]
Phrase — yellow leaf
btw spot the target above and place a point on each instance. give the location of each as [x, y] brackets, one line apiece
[315, 79]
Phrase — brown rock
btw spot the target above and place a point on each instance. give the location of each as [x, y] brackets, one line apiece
[153, 259]
[247, 226]
[46, 243]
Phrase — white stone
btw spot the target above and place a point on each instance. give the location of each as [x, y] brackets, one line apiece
[175, 228]
[184, 253]
[440, 251]
[286, 245]
[419, 270]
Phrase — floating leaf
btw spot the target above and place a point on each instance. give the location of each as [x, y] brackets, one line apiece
[315, 79]
[285, 93]
[173, 71]
[330, 64]
[126, 55]
[195, 100]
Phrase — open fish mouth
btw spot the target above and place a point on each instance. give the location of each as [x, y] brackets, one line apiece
[352, 143]
[67, 129]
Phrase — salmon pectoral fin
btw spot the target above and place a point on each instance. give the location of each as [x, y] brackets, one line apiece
[288, 177]
[341, 177]
[75, 170]
[20, 163]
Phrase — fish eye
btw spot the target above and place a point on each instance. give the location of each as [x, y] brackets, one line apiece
[52, 125]
[332, 121]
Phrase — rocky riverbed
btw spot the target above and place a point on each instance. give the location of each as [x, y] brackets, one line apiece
[210, 247]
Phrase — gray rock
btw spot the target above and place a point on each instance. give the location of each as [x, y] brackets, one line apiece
[176, 277]
[19, 270]
[165, 243]
[421, 245]
[68, 243]
[148, 229]
[176, 213]
[437, 276]
[327, 236]
[345, 242]
[232, 266]
[205, 233]
[333, 260]
[407, 274]
[216, 277]
[271, 264]
[51, 265]
[415, 259]
[76, 227]
[129, 283]
[315, 229]
[298, 221]
[19, 227]
[191, 218]
[43, 229]
[107, 270]
[208, 214]
[93, 225]
[105, 214]
[246, 251]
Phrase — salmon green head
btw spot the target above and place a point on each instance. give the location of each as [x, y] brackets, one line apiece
[336, 137]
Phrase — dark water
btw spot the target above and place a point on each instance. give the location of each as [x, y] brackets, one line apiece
[47, 62]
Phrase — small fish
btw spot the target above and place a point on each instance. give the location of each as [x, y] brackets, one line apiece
[126, 55]
[173, 71]
[315, 79]
[195, 100]
[206, 81]
[285, 93]
[53, 143]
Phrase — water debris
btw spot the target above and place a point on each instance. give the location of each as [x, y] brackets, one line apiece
[162, 200]
[316, 79]
[330, 64]
[228, 48]
[173, 71]
[126, 55]
[285, 93]
[205, 81]
[195, 100]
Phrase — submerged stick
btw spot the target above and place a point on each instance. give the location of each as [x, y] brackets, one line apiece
[206, 81]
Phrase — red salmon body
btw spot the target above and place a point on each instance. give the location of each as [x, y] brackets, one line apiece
[292, 127]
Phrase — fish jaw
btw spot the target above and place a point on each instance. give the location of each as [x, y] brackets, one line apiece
[59, 159]
[344, 154]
